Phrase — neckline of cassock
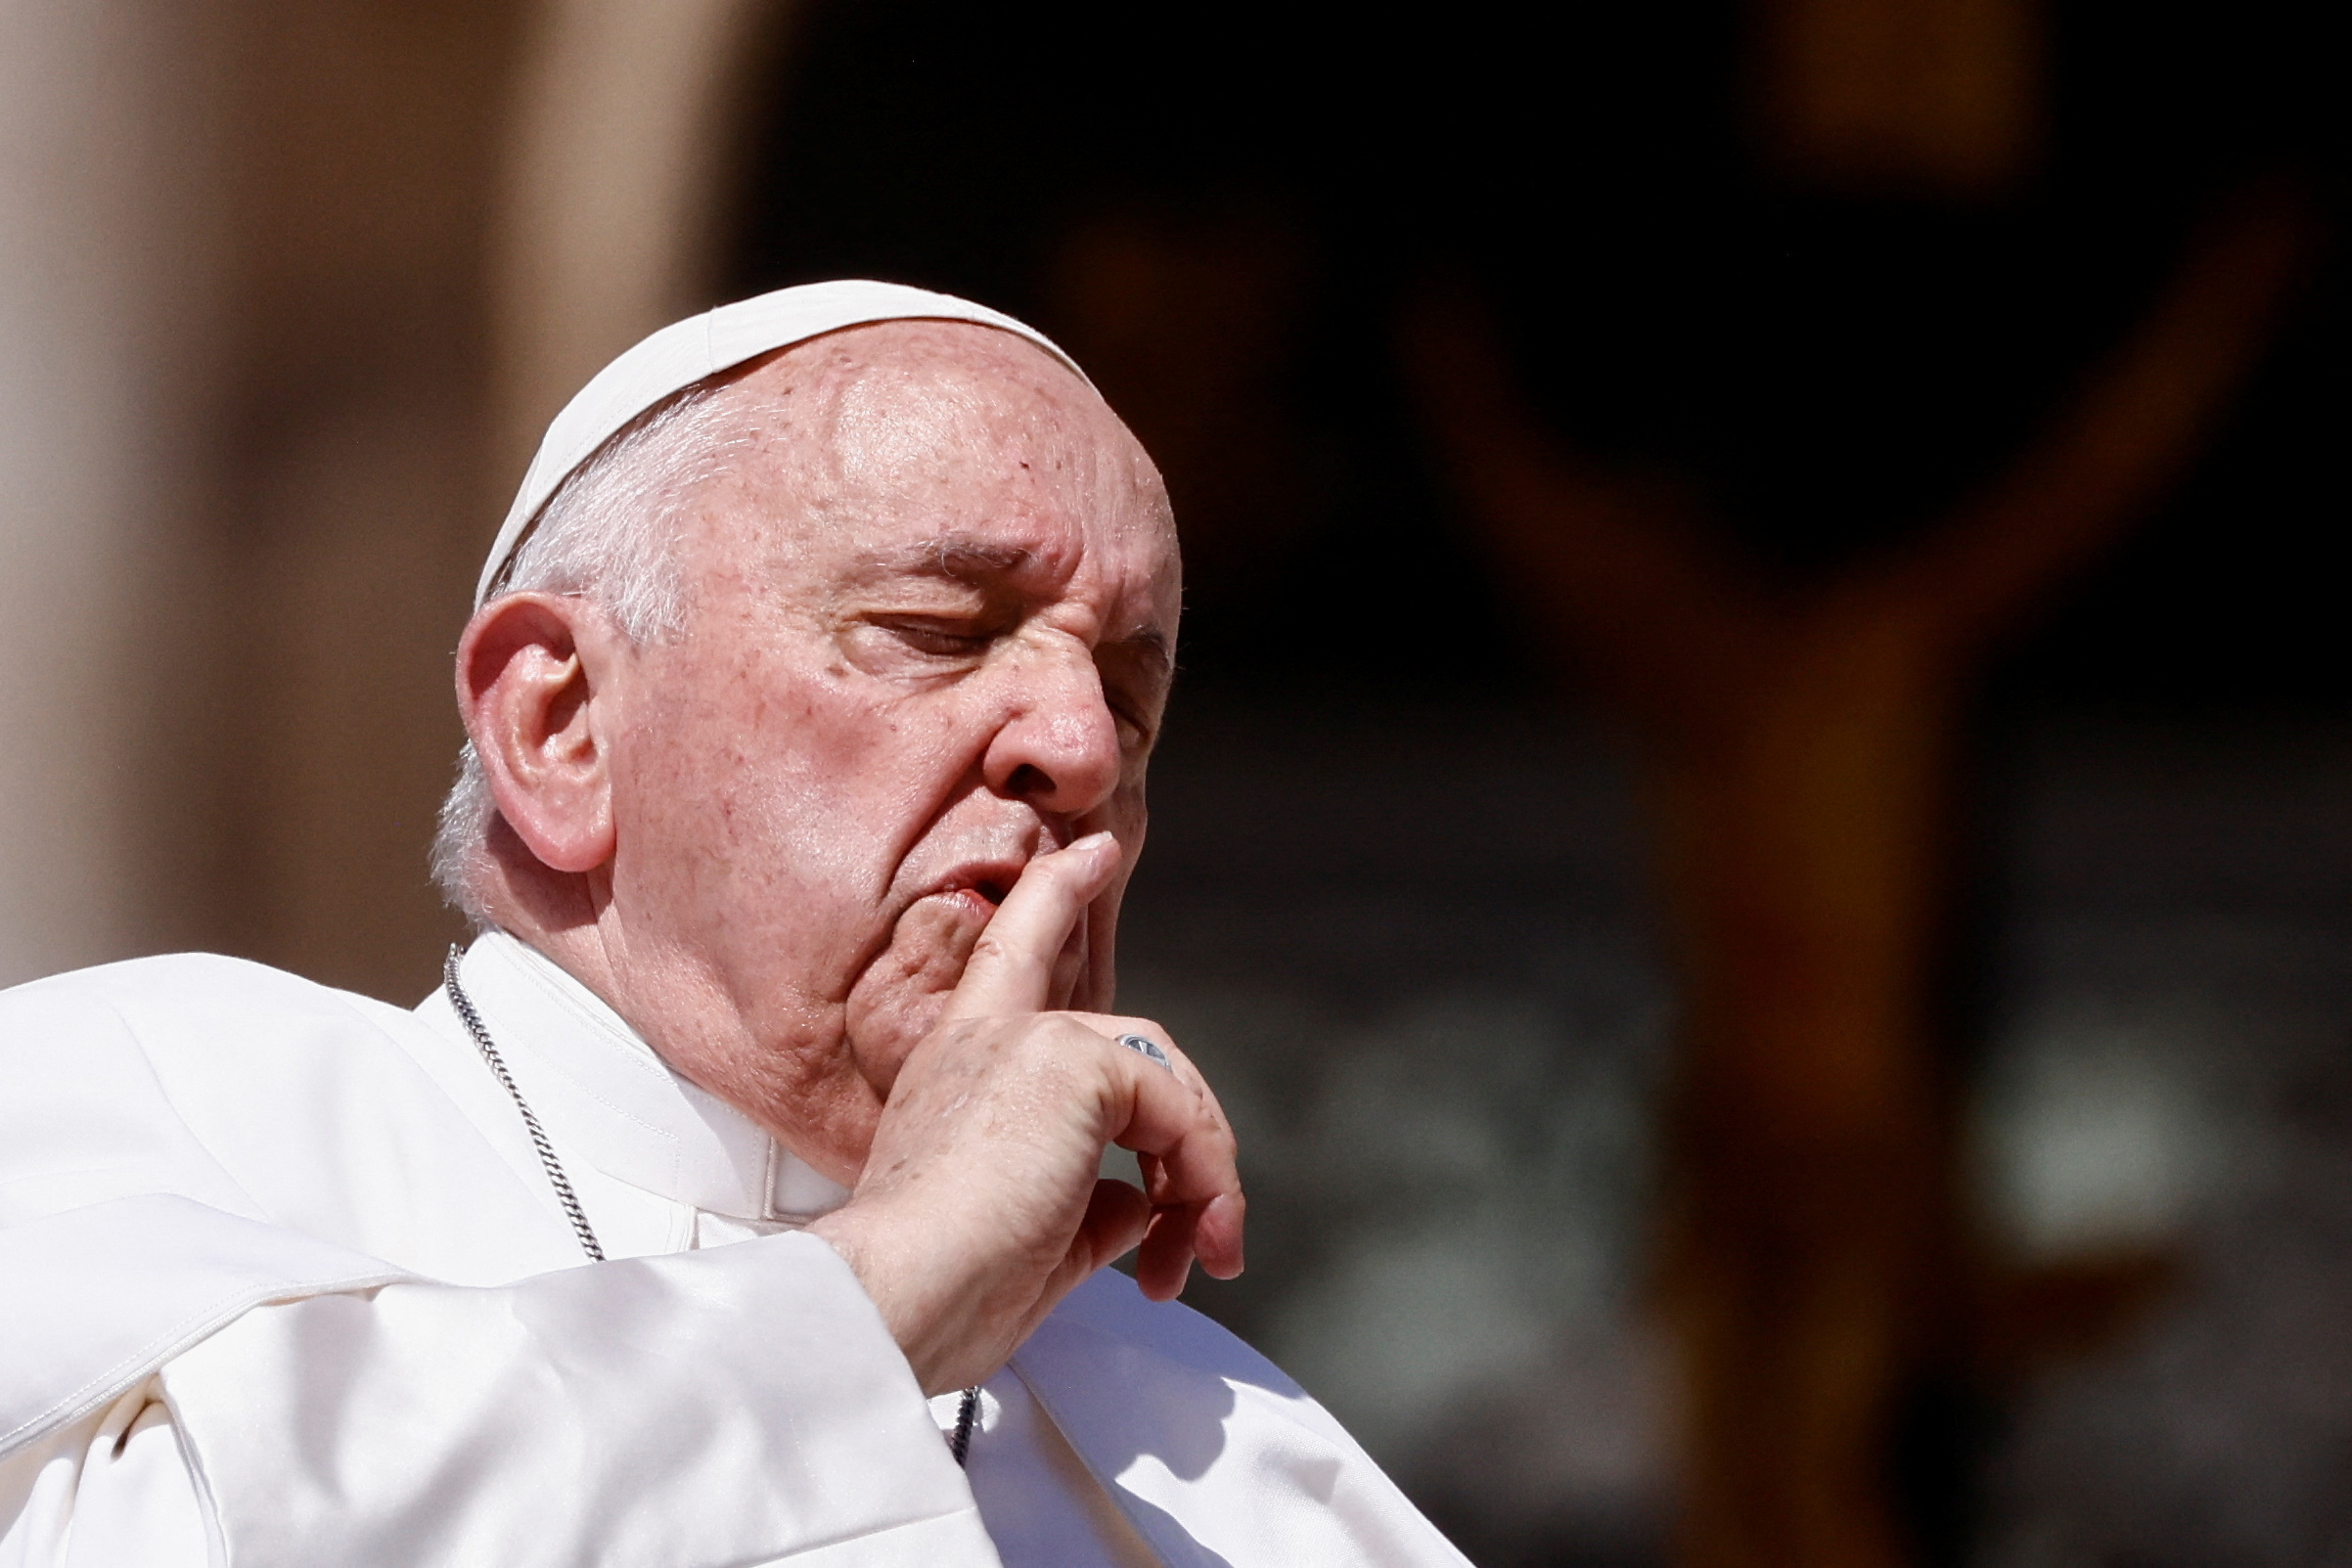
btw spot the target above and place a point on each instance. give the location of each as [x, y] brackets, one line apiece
[612, 1103]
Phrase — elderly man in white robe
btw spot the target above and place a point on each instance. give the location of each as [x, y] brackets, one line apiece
[736, 1200]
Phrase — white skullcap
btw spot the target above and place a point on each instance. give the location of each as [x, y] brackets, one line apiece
[683, 352]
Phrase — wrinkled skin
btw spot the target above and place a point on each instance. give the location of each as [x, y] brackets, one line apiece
[931, 608]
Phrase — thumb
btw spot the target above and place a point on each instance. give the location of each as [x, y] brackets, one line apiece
[1012, 966]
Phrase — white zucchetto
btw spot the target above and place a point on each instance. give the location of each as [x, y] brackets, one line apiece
[683, 352]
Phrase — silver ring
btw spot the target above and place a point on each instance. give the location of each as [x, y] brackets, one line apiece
[1145, 1046]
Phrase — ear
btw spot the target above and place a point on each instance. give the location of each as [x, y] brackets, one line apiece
[535, 683]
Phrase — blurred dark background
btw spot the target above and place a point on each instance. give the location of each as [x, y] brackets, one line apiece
[1226, 214]
[1772, 913]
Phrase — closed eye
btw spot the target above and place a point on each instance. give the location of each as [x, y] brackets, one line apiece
[939, 639]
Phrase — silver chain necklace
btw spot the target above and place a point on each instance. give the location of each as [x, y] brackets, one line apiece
[498, 1069]
[967, 1414]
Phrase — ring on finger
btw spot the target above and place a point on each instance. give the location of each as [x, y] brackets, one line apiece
[1145, 1046]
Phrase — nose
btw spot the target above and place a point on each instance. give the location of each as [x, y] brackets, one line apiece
[1058, 746]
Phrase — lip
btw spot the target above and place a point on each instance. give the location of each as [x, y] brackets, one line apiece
[987, 882]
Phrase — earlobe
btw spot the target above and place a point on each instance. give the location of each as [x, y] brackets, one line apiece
[530, 675]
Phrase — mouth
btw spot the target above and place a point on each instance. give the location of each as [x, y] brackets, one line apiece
[981, 885]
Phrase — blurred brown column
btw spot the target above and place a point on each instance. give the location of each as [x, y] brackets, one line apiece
[110, 315]
[1798, 749]
[618, 143]
[442, 217]
[347, 478]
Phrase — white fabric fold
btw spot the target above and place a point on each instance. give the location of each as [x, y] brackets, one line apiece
[1214, 1454]
[150, 1277]
[414, 1425]
[113, 1491]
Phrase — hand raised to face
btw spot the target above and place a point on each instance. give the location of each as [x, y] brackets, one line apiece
[979, 1206]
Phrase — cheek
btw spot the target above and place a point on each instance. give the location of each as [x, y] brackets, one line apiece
[725, 800]
[1124, 814]
[776, 827]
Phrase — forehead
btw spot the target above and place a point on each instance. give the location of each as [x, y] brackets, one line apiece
[939, 448]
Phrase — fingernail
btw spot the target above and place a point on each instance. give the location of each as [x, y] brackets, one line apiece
[1089, 843]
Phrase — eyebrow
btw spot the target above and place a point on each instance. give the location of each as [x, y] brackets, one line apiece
[1153, 647]
[959, 558]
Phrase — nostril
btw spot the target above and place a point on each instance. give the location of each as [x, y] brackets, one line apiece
[1028, 780]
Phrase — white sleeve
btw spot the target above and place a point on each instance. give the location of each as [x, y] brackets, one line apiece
[109, 1491]
[733, 1407]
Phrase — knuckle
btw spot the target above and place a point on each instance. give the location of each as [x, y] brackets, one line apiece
[1055, 1035]
[990, 948]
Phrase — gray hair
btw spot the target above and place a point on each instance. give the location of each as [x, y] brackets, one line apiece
[610, 535]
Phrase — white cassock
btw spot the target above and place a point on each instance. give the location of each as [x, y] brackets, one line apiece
[283, 1281]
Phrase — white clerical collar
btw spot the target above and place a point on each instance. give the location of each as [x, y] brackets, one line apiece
[621, 1109]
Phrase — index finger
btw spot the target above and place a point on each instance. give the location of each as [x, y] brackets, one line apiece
[1012, 966]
